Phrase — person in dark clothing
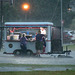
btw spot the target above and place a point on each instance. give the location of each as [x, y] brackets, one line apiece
[23, 40]
[44, 44]
[39, 42]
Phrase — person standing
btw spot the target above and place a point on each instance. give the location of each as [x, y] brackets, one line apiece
[39, 42]
[43, 31]
[23, 40]
[44, 44]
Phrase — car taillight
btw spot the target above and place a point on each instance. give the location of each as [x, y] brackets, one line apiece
[71, 36]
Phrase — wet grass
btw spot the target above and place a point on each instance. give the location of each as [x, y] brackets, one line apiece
[32, 65]
[70, 47]
[40, 73]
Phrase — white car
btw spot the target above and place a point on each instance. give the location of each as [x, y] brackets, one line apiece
[72, 35]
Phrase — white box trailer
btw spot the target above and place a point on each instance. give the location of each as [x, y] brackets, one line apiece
[12, 46]
[12, 31]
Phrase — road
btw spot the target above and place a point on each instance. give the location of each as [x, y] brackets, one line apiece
[52, 60]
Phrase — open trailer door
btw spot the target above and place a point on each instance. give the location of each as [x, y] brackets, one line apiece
[56, 45]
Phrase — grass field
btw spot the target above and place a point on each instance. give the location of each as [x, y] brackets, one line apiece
[32, 65]
[39, 73]
[70, 47]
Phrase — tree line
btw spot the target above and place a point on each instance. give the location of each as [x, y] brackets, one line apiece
[40, 10]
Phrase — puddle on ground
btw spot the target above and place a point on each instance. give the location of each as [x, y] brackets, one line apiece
[14, 69]
[4, 69]
[53, 69]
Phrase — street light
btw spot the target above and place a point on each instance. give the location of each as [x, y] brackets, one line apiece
[25, 7]
[69, 9]
[61, 26]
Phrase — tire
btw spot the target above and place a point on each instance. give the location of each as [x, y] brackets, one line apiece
[29, 53]
[17, 52]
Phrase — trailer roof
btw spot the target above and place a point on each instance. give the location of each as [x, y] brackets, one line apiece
[28, 24]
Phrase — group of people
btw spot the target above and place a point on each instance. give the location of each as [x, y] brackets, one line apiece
[40, 43]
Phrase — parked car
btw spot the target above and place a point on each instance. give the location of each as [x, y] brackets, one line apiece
[72, 36]
[66, 37]
[69, 35]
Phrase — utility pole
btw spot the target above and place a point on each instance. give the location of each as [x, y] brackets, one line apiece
[1, 36]
[1, 23]
[61, 26]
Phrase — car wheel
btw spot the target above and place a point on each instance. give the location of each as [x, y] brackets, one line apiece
[17, 53]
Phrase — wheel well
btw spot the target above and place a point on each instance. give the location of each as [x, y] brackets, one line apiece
[29, 50]
[17, 50]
